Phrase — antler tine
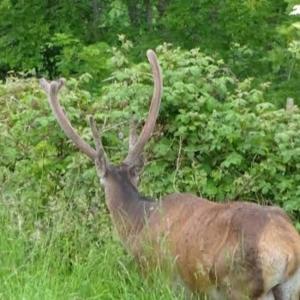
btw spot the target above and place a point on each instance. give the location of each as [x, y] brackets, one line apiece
[97, 138]
[149, 125]
[52, 88]
[132, 134]
[100, 160]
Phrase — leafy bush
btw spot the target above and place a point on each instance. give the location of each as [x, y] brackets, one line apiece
[75, 58]
[216, 136]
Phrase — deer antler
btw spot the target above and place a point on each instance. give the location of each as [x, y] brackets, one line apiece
[135, 151]
[133, 137]
[136, 144]
[52, 88]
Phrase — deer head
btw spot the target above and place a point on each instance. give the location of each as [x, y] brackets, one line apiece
[232, 249]
[120, 182]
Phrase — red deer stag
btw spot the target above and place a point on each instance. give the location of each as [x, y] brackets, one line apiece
[232, 250]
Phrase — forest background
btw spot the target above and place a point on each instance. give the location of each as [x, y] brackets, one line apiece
[225, 130]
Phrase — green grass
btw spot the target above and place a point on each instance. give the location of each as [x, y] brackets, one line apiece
[48, 267]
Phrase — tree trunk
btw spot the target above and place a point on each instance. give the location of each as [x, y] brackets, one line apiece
[133, 12]
[162, 6]
[96, 7]
[148, 14]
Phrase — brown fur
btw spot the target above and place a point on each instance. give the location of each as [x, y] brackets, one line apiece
[215, 244]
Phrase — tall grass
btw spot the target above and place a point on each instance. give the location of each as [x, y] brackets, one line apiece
[47, 268]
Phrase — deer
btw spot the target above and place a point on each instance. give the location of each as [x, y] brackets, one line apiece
[229, 250]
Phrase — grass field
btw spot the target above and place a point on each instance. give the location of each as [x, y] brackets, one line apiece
[48, 267]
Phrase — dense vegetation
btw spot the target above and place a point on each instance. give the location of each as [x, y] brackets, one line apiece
[256, 38]
[223, 131]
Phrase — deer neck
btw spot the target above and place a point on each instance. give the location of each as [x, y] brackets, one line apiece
[128, 209]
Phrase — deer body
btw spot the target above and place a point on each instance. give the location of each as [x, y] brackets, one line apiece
[213, 245]
[233, 250]
[219, 245]
[226, 248]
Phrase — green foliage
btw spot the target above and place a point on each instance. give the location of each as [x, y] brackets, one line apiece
[33, 33]
[222, 132]
[56, 239]
[48, 266]
[19, 38]
[227, 141]
[75, 59]
[30, 29]
[67, 39]
[229, 21]
[217, 136]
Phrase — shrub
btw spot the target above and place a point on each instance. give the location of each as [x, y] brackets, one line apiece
[216, 136]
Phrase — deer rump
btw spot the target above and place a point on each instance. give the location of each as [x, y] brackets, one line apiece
[233, 250]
